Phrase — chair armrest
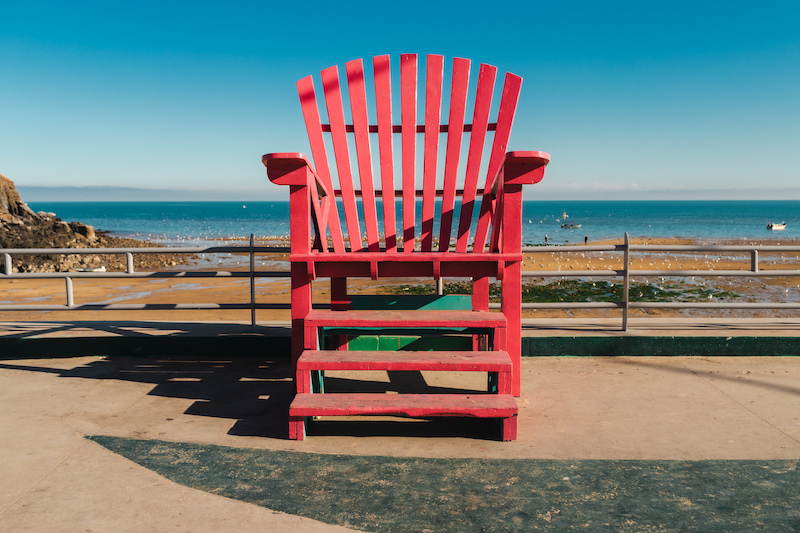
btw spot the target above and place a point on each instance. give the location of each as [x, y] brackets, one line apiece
[282, 168]
[520, 168]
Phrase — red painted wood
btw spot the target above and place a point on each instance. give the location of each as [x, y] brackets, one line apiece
[480, 119]
[510, 429]
[301, 305]
[405, 319]
[389, 269]
[403, 360]
[443, 128]
[497, 218]
[523, 168]
[308, 103]
[458, 107]
[383, 105]
[297, 429]
[408, 111]
[358, 104]
[505, 119]
[423, 257]
[333, 102]
[433, 106]
[511, 299]
[416, 405]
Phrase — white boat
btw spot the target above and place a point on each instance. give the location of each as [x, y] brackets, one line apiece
[774, 226]
[571, 226]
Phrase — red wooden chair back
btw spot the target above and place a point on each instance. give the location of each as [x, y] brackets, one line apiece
[377, 187]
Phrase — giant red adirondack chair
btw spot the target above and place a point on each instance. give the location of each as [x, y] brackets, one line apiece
[367, 242]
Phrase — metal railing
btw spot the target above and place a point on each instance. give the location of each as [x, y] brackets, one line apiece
[625, 273]
[130, 273]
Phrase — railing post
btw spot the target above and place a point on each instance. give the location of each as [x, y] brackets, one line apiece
[439, 287]
[7, 263]
[754, 260]
[626, 282]
[252, 285]
[70, 296]
[129, 261]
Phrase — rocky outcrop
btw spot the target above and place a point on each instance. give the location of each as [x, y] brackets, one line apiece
[21, 227]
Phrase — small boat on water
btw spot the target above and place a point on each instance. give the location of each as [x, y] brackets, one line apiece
[774, 226]
[571, 226]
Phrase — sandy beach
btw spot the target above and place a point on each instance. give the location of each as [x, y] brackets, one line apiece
[276, 290]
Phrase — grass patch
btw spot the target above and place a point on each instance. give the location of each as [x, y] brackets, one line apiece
[576, 290]
[417, 494]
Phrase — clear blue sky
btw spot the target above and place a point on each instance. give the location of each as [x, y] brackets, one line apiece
[632, 99]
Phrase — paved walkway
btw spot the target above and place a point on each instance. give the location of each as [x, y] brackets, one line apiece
[53, 479]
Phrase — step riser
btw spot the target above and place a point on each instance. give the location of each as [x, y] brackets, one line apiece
[297, 428]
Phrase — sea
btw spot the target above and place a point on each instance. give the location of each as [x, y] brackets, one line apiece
[213, 223]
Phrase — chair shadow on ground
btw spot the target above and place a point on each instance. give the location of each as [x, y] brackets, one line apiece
[255, 393]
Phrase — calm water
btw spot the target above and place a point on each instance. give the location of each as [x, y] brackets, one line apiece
[202, 223]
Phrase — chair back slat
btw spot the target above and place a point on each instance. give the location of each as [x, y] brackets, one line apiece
[505, 119]
[308, 103]
[383, 106]
[480, 122]
[358, 105]
[333, 102]
[408, 111]
[458, 108]
[488, 228]
[433, 109]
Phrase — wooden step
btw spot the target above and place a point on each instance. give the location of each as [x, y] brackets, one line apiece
[415, 405]
[465, 361]
[405, 319]
[502, 407]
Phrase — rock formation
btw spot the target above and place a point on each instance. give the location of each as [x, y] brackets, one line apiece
[21, 227]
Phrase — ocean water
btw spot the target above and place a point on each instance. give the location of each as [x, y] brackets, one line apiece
[207, 223]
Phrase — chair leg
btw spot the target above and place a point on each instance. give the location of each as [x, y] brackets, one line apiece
[509, 428]
[297, 428]
[511, 307]
[301, 306]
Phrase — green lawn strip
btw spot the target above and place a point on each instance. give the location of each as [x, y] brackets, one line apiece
[396, 494]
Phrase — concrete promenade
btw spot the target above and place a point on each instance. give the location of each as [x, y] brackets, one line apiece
[639, 408]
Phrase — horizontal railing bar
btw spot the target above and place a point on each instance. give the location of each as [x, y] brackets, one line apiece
[566, 305]
[443, 128]
[576, 248]
[714, 305]
[162, 250]
[659, 248]
[570, 273]
[713, 273]
[711, 248]
[661, 273]
[653, 305]
[139, 307]
[159, 274]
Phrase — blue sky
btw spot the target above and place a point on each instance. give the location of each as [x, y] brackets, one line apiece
[653, 100]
